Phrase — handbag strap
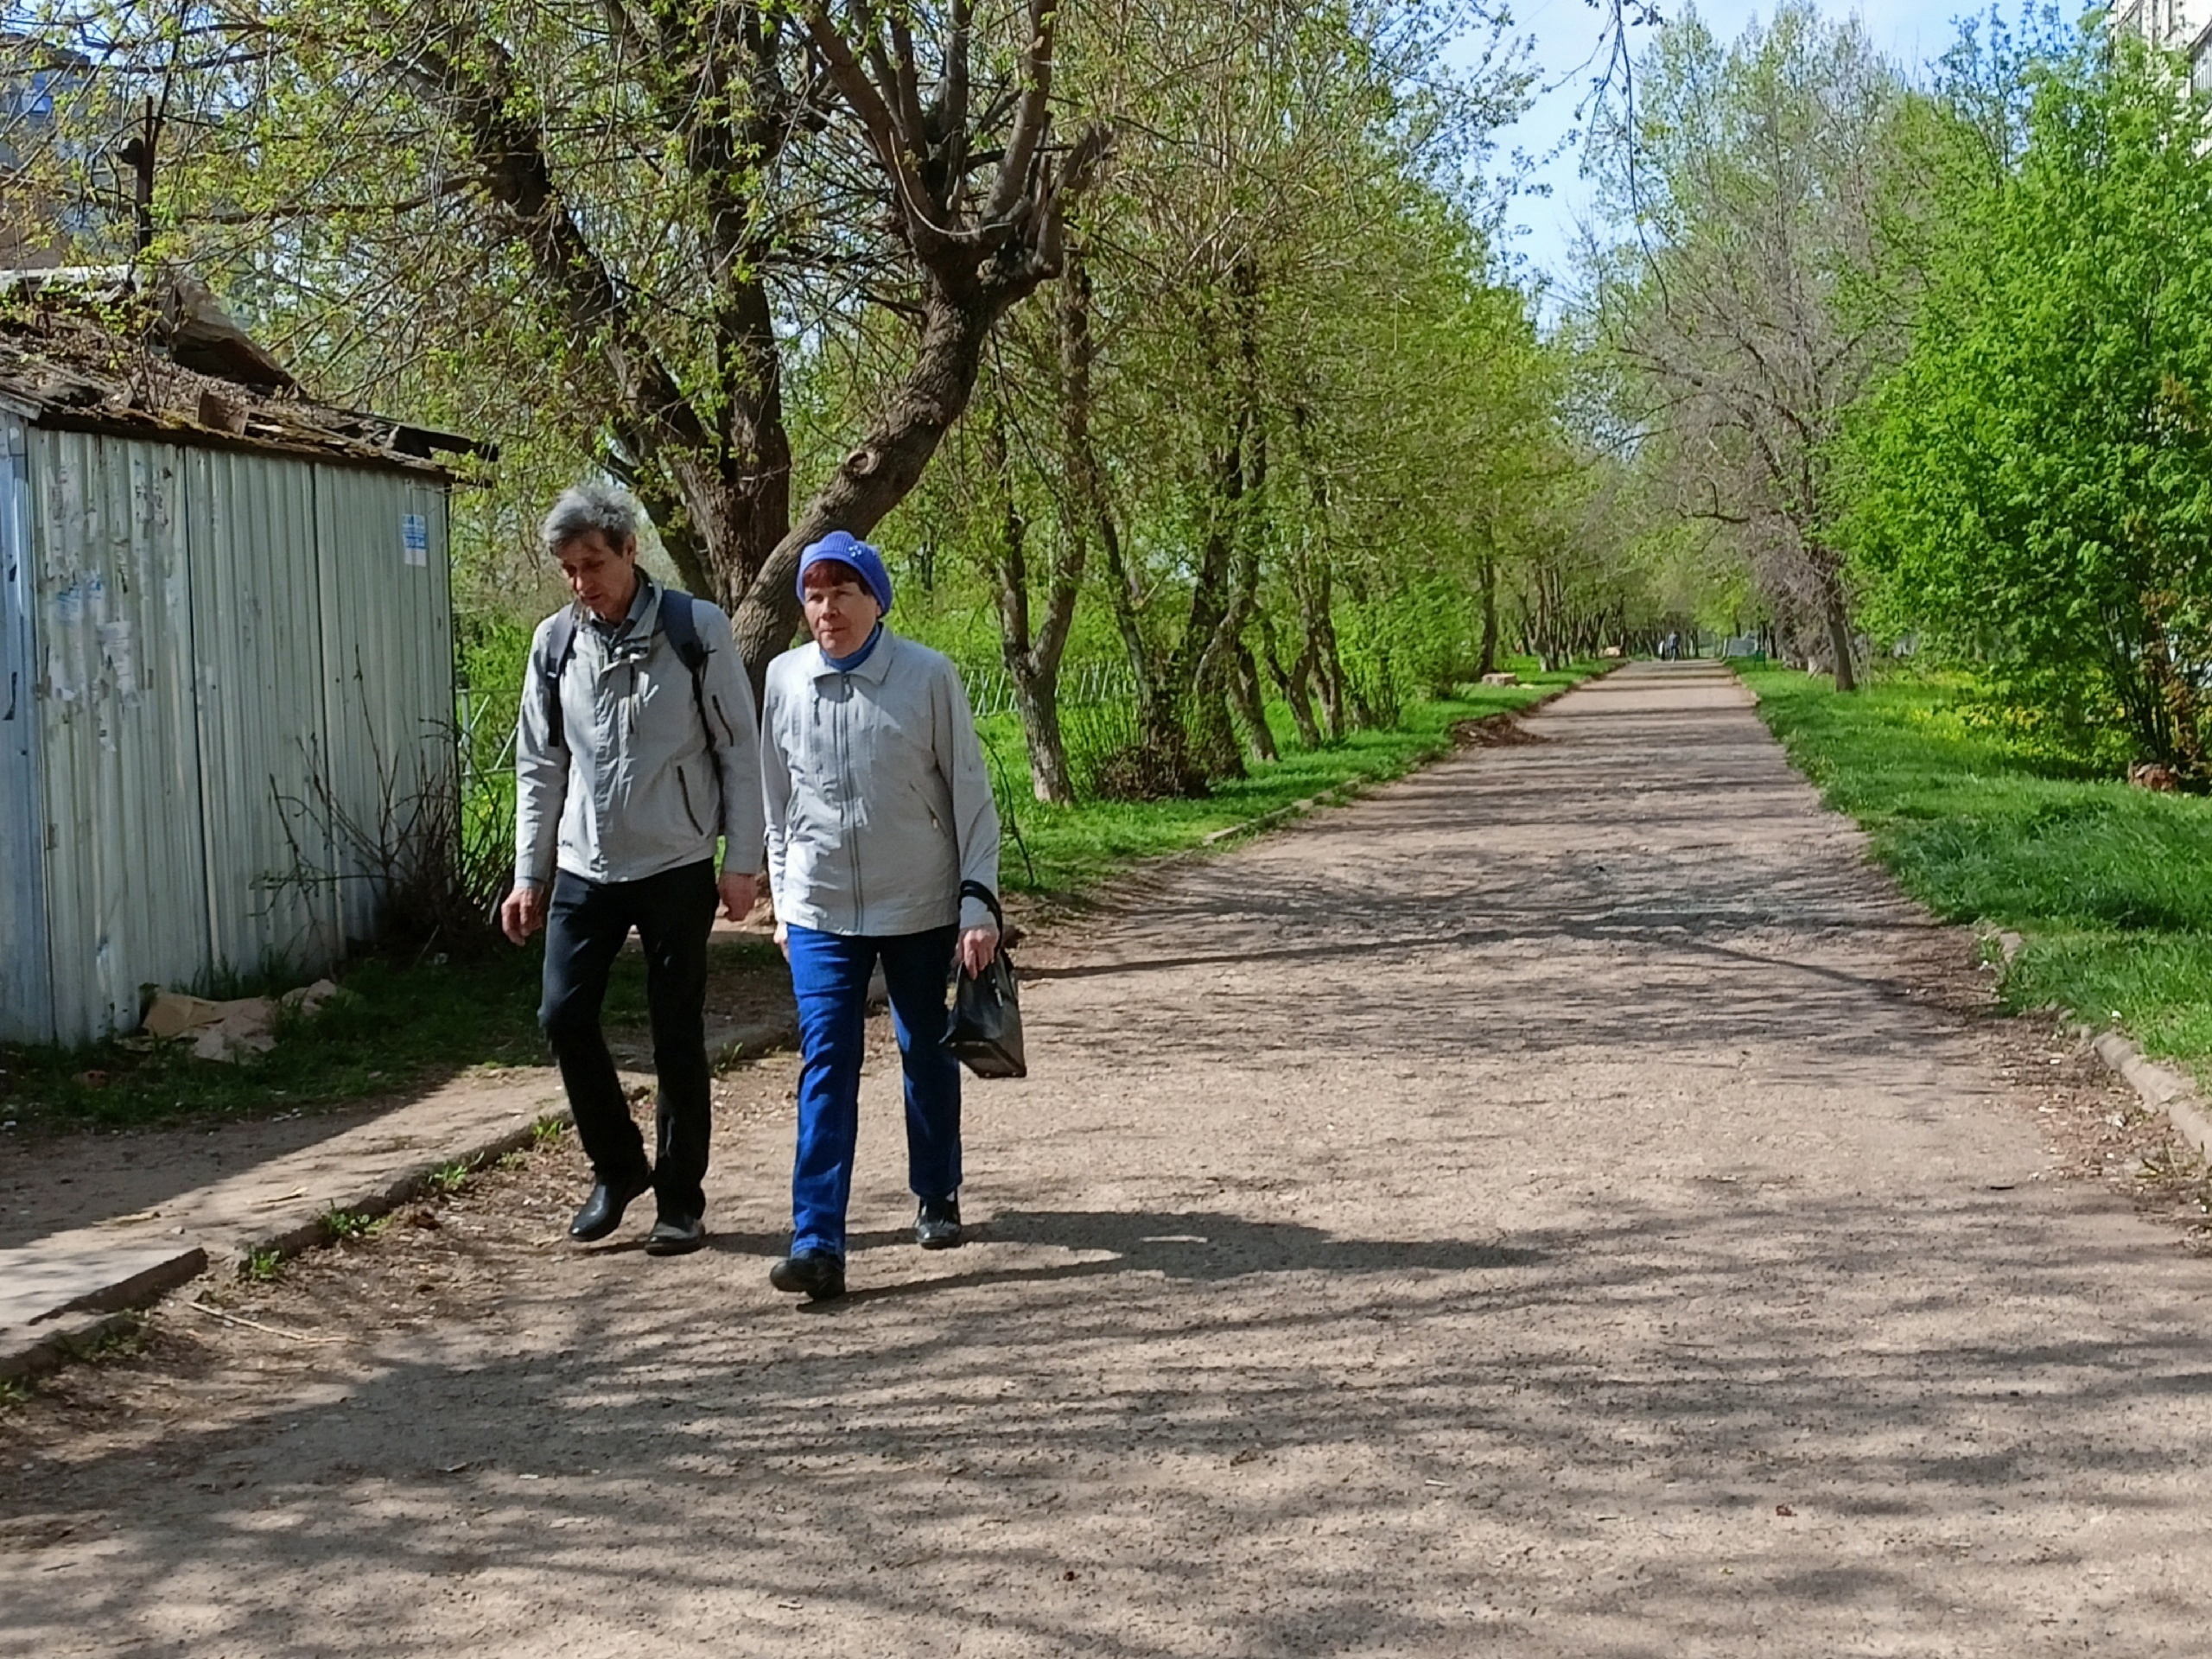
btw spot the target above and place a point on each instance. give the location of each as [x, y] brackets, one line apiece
[977, 890]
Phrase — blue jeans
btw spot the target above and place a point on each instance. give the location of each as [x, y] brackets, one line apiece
[830, 973]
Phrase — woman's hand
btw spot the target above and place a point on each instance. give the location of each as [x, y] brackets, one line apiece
[783, 940]
[977, 946]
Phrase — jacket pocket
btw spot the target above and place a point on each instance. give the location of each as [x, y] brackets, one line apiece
[683, 788]
[922, 799]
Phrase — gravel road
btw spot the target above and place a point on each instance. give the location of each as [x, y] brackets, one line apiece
[1562, 1204]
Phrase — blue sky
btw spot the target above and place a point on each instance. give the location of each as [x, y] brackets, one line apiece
[1567, 34]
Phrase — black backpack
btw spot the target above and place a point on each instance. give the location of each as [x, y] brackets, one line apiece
[676, 621]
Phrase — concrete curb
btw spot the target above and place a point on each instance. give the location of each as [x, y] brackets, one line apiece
[2161, 1088]
[80, 1340]
[725, 1046]
[54, 1337]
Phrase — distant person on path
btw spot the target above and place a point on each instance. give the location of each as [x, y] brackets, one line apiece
[635, 749]
[879, 821]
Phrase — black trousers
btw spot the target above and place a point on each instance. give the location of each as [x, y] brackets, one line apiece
[585, 927]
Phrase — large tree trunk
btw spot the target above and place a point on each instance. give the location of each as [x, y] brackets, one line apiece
[1487, 569]
[1032, 663]
[1212, 735]
[1038, 701]
[1839, 628]
[878, 471]
[1252, 705]
[1296, 683]
[1328, 663]
[1203, 660]
[1164, 750]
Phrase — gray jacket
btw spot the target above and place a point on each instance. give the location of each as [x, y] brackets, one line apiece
[879, 806]
[637, 787]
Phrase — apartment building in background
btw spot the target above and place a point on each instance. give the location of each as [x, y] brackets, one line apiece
[35, 228]
[2184, 26]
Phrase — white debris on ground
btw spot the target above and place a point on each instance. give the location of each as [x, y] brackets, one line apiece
[229, 1031]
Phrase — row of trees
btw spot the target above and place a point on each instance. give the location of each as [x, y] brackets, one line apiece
[1166, 338]
[1930, 363]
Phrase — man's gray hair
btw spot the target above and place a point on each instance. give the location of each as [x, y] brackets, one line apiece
[593, 505]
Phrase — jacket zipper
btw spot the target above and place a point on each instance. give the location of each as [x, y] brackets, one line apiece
[683, 786]
[845, 797]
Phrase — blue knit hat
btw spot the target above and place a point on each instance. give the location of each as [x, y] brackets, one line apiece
[846, 548]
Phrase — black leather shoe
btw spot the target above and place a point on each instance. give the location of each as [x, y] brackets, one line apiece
[814, 1276]
[937, 1224]
[676, 1235]
[602, 1211]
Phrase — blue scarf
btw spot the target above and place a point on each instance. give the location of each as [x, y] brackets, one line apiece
[847, 665]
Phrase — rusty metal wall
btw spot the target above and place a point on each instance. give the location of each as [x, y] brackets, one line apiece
[387, 641]
[26, 989]
[111, 625]
[232, 657]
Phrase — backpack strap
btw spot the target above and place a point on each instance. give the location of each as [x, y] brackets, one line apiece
[683, 629]
[675, 620]
[552, 662]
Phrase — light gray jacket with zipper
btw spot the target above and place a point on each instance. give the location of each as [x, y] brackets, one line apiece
[639, 787]
[878, 803]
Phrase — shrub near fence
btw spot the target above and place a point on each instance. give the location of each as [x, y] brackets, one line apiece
[1098, 714]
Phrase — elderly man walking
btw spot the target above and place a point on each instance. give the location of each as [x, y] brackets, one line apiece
[883, 846]
[636, 748]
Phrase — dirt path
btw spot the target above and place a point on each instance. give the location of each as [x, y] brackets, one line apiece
[1553, 1207]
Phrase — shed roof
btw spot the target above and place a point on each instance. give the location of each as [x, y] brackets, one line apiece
[99, 351]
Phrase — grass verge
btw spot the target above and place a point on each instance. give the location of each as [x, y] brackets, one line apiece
[404, 1029]
[2110, 886]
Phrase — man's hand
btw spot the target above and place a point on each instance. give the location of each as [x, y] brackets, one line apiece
[522, 913]
[977, 946]
[739, 892]
[783, 940]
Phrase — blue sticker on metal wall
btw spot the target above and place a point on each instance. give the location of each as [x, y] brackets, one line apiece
[415, 537]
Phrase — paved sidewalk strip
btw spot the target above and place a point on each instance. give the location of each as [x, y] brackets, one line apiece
[58, 1293]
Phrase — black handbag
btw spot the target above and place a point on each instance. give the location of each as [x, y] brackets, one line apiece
[986, 1035]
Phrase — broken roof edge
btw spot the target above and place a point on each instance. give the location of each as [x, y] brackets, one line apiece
[153, 428]
[64, 363]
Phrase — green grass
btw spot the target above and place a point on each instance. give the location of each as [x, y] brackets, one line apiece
[2110, 886]
[1072, 849]
[350, 1224]
[404, 1029]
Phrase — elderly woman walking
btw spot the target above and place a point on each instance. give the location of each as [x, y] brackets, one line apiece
[634, 754]
[882, 837]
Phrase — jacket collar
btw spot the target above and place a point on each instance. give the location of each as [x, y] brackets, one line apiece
[636, 630]
[875, 670]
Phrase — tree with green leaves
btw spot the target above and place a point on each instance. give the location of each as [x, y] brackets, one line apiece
[2037, 474]
[638, 219]
[1750, 296]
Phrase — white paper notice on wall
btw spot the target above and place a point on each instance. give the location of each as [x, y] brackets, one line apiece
[415, 537]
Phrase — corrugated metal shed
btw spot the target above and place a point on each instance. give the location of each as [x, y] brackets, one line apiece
[208, 646]
[26, 994]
